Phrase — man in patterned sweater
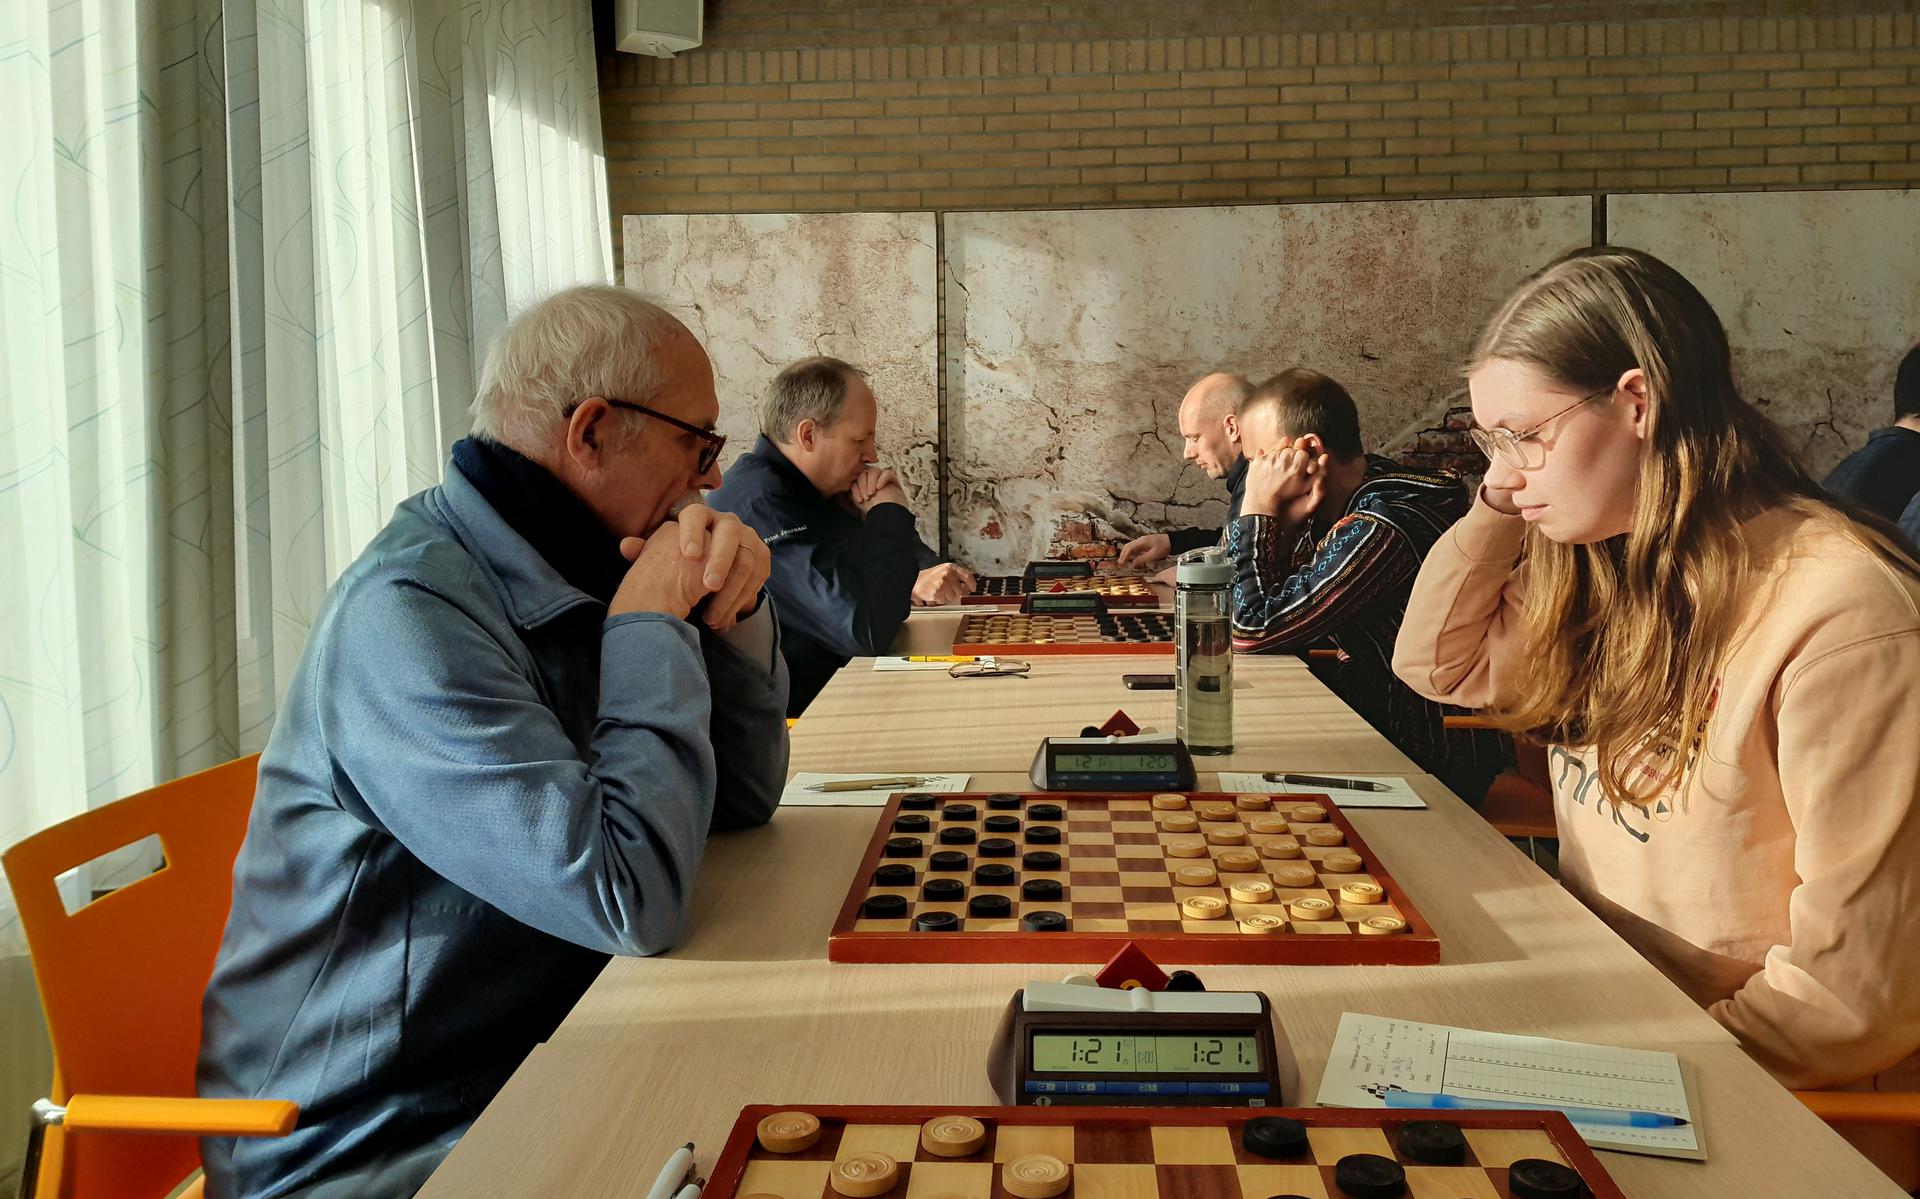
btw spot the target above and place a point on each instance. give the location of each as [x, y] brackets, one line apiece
[1326, 548]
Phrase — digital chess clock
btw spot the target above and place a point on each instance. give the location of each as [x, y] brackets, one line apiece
[1063, 603]
[1061, 1043]
[1059, 570]
[1157, 763]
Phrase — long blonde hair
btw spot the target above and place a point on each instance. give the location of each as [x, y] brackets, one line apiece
[1626, 637]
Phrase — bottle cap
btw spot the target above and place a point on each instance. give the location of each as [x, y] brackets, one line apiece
[1205, 567]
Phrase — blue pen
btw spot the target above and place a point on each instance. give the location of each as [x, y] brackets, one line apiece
[1615, 1116]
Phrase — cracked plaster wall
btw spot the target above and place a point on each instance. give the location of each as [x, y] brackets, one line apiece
[763, 290]
[1071, 336]
[1819, 293]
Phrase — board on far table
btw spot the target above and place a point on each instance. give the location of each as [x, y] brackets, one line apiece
[1014, 634]
[1115, 591]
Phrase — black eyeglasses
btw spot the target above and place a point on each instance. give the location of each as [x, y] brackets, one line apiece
[709, 453]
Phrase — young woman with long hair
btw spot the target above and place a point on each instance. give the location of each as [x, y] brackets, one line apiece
[1724, 660]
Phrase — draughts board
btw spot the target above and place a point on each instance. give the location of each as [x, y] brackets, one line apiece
[1114, 881]
[1147, 1153]
[1118, 591]
[1012, 633]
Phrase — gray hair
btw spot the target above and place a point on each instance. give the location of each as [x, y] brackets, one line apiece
[811, 389]
[594, 340]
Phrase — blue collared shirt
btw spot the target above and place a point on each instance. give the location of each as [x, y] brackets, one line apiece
[478, 788]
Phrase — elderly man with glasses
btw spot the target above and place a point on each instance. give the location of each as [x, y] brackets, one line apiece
[847, 563]
[1326, 548]
[518, 716]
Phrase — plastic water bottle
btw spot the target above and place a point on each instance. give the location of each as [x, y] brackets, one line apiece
[1203, 639]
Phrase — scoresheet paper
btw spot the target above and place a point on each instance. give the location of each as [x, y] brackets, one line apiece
[1400, 794]
[800, 794]
[1373, 1054]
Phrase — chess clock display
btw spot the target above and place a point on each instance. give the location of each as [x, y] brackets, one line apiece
[1059, 570]
[1112, 764]
[1064, 603]
[1079, 1045]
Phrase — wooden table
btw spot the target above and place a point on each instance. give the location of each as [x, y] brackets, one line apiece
[596, 1121]
[1283, 717]
[748, 1010]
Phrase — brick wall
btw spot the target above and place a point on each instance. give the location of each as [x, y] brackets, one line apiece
[824, 105]
[749, 123]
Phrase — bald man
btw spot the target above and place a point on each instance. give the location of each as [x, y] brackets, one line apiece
[1210, 431]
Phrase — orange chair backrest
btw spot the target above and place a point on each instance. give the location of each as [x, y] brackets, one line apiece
[121, 979]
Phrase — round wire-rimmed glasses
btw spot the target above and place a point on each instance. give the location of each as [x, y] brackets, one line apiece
[1511, 445]
[996, 668]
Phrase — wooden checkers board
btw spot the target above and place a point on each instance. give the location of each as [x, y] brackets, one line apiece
[991, 867]
[1010, 633]
[1146, 1153]
[1116, 590]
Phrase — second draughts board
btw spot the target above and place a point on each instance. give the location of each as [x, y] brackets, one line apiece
[1116, 591]
[1013, 633]
[973, 877]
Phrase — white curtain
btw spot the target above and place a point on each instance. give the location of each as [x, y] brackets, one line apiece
[250, 255]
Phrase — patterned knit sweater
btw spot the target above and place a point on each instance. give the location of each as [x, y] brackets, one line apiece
[1349, 588]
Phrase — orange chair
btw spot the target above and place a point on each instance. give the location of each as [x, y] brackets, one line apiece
[1520, 801]
[1862, 1107]
[121, 981]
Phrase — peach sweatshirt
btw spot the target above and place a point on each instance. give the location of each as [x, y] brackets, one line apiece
[1781, 887]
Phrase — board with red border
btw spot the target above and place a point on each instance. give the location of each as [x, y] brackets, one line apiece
[1158, 1153]
[1292, 882]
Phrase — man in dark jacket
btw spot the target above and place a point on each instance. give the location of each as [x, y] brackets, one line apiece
[847, 563]
[1884, 474]
[1210, 435]
[1326, 548]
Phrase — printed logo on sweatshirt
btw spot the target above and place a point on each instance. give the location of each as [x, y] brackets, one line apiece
[1573, 778]
[1580, 783]
[773, 539]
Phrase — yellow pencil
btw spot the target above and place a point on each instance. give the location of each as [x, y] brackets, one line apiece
[939, 658]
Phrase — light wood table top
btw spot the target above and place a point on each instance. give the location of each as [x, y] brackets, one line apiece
[596, 1122]
[748, 1010]
[1518, 954]
[867, 720]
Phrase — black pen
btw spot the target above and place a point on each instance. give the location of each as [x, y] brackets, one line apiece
[1315, 780]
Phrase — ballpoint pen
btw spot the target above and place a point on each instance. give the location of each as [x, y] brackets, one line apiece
[675, 1175]
[1617, 1117]
[868, 784]
[1317, 780]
